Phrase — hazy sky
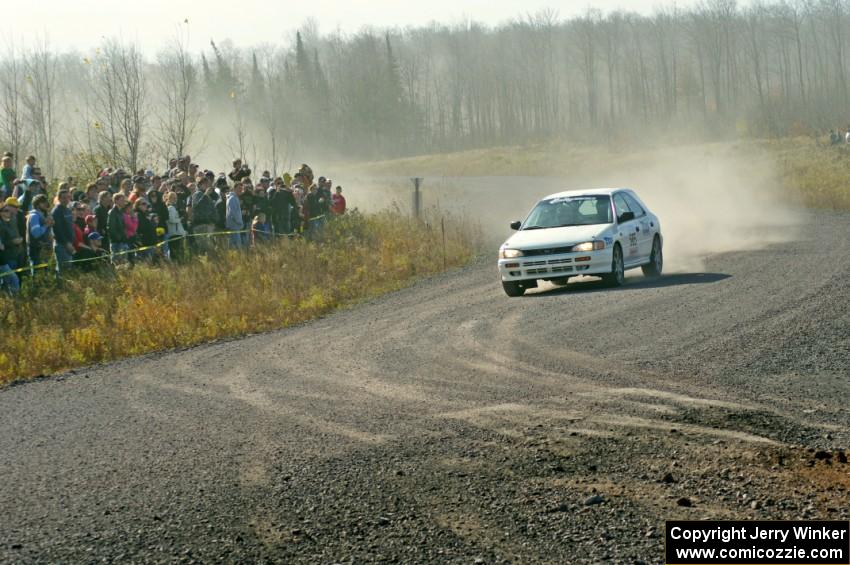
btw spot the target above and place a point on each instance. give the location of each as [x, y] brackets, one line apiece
[81, 23]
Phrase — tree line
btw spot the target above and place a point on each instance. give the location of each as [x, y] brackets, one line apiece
[717, 69]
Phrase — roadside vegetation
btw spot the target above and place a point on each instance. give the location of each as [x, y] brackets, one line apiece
[819, 173]
[101, 317]
[810, 169]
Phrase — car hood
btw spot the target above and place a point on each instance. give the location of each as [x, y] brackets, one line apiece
[557, 237]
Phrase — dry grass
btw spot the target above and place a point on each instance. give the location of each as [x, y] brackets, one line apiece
[820, 174]
[532, 160]
[95, 318]
[810, 168]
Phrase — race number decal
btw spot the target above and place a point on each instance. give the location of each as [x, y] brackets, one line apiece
[633, 244]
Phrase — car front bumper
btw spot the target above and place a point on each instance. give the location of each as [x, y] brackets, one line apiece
[555, 266]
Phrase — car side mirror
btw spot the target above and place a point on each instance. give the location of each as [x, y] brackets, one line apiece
[626, 217]
[515, 225]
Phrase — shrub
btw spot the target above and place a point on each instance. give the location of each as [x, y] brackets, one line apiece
[94, 318]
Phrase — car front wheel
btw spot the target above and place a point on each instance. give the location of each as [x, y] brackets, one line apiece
[617, 276]
[513, 289]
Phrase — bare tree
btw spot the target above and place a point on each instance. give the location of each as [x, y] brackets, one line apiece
[121, 106]
[180, 111]
[836, 12]
[40, 101]
[586, 43]
[772, 65]
[756, 37]
[12, 124]
[794, 12]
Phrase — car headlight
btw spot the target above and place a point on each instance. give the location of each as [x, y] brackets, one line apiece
[588, 246]
[510, 253]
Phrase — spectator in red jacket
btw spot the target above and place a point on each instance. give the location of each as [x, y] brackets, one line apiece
[78, 212]
[338, 202]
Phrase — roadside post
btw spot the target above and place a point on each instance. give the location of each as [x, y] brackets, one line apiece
[443, 229]
[417, 197]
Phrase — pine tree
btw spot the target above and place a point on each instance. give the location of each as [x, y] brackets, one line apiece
[302, 65]
[226, 86]
[257, 86]
[321, 95]
[209, 80]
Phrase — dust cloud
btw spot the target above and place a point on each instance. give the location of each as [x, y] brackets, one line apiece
[711, 199]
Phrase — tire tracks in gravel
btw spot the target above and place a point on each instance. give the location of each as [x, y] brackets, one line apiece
[444, 423]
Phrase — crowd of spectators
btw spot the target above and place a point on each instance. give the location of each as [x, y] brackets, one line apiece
[839, 137]
[121, 218]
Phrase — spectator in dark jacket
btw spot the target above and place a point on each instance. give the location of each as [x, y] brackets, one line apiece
[63, 230]
[282, 202]
[239, 172]
[91, 251]
[9, 241]
[146, 232]
[246, 202]
[315, 204]
[115, 226]
[158, 207]
[221, 207]
[19, 220]
[183, 194]
[261, 201]
[203, 214]
[101, 212]
[17, 252]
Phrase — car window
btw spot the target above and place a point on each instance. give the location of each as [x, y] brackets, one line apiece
[570, 211]
[634, 206]
[621, 205]
[587, 208]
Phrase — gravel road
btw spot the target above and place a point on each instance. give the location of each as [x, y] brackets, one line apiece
[446, 423]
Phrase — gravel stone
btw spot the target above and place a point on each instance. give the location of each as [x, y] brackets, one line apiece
[266, 449]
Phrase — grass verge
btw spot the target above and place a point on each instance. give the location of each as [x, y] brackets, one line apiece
[819, 173]
[816, 172]
[95, 318]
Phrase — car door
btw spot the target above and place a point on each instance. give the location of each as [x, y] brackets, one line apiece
[628, 231]
[645, 229]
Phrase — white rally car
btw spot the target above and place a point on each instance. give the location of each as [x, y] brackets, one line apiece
[598, 232]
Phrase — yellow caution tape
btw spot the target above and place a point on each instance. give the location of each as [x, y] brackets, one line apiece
[106, 256]
[24, 269]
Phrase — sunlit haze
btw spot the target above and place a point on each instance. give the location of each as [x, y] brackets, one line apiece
[82, 24]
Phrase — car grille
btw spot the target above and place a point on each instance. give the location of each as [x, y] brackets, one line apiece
[543, 271]
[547, 251]
[543, 263]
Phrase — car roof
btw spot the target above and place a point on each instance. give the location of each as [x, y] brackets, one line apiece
[588, 192]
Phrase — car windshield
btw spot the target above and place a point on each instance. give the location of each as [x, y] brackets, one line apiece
[566, 211]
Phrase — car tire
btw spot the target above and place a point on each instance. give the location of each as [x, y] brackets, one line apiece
[656, 260]
[617, 276]
[513, 289]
